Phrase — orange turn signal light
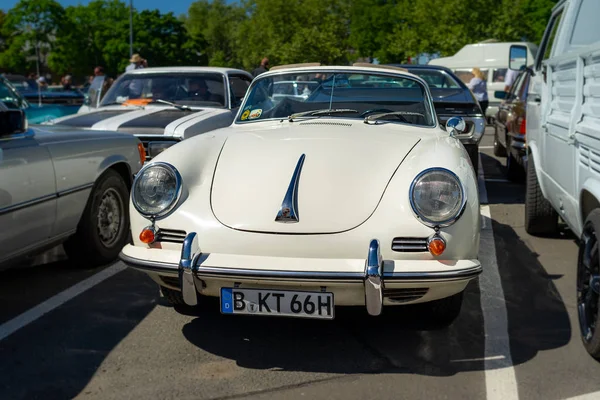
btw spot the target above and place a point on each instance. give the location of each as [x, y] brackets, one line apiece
[436, 245]
[147, 235]
[142, 153]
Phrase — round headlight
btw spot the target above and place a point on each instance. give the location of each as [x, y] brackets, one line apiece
[437, 197]
[156, 189]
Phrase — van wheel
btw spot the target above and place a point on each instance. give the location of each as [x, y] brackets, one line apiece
[588, 284]
[540, 218]
[499, 150]
[473, 151]
[104, 226]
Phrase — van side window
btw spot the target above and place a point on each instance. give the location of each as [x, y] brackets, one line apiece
[498, 74]
[587, 29]
[547, 44]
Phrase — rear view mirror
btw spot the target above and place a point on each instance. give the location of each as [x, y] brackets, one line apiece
[12, 121]
[517, 57]
[500, 94]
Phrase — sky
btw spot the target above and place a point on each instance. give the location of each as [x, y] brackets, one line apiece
[176, 6]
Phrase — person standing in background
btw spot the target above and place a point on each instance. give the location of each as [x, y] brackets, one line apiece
[262, 68]
[478, 86]
[136, 62]
[509, 78]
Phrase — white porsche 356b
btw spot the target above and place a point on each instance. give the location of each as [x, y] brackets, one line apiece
[350, 195]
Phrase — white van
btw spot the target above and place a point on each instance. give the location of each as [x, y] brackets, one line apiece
[563, 142]
[492, 59]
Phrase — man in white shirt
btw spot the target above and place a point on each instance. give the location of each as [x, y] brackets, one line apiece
[509, 78]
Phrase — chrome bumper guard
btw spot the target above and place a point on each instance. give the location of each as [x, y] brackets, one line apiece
[372, 278]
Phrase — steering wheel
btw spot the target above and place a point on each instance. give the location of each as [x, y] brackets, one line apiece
[374, 110]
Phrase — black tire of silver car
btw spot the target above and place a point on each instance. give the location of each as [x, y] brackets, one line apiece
[103, 229]
[540, 217]
[444, 311]
[588, 284]
[174, 297]
[499, 150]
[473, 151]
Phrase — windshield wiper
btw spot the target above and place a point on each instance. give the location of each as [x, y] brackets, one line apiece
[325, 111]
[178, 106]
[399, 114]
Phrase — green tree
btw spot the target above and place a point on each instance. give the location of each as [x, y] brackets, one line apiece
[213, 26]
[30, 29]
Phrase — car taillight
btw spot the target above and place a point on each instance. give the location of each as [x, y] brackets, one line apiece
[523, 126]
[141, 153]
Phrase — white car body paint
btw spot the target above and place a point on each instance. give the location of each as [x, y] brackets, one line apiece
[354, 188]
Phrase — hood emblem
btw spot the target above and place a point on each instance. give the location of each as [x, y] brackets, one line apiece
[288, 213]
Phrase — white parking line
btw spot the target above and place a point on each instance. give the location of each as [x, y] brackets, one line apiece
[486, 147]
[20, 321]
[500, 379]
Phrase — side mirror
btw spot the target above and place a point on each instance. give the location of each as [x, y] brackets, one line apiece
[517, 57]
[500, 94]
[455, 125]
[12, 121]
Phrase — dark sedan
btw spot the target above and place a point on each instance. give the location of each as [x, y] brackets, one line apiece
[451, 98]
[510, 127]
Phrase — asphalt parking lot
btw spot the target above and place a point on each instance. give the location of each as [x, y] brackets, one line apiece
[517, 335]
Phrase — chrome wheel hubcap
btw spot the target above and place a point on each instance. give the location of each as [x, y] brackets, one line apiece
[588, 283]
[109, 217]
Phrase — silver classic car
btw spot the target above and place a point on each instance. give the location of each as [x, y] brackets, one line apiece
[165, 105]
[64, 185]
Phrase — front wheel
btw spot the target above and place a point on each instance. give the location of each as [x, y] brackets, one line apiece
[588, 284]
[103, 229]
[540, 216]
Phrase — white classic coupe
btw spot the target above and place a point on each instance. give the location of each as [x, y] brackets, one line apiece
[352, 196]
[165, 105]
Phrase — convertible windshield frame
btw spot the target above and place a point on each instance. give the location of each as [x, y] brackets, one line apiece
[143, 75]
[427, 96]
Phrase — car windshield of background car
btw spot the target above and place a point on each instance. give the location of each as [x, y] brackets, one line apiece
[193, 89]
[436, 79]
[8, 96]
[276, 97]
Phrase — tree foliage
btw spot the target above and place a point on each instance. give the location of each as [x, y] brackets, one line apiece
[221, 33]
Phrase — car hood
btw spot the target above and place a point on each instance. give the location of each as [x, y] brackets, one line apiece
[344, 174]
[150, 120]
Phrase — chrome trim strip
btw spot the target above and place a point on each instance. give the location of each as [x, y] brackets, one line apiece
[275, 274]
[75, 189]
[288, 212]
[422, 219]
[186, 269]
[147, 265]
[28, 203]
[178, 190]
[460, 274]
[373, 282]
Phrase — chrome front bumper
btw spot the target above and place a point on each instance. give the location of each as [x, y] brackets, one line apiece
[373, 278]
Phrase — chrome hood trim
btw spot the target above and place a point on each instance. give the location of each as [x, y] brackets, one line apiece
[288, 213]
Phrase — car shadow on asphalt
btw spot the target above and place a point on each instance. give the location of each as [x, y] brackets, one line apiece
[56, 356]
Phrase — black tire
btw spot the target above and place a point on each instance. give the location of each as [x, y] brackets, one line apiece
[444, 311]
[514, 171]
[92, 246]
[499, 150]
[540, 217]
[588, 295]
[473, 151]
[174, 297]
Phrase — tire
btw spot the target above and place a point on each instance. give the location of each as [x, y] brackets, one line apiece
[514, 171]
[588, 293]
[174, 297]
[540, 217]
[444, 311]
[94, 245]
[473, 151]
[499, 150]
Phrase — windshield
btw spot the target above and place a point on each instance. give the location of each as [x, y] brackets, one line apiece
[194, 89]
[359, 94]
[9, 96]
[436, 79]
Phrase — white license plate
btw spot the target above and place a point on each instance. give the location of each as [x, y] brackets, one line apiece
[277, 302]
